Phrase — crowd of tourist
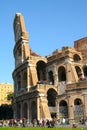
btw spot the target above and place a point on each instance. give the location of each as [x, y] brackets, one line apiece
[25, 123]
[50, 123]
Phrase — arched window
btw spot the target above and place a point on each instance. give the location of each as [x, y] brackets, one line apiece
[33, 110]
[85, 70]
[24, 79]
[19, 82]
[78, 70]
[19, 51]
[78, 108]
[63, 109]
[62, 74]
[76, 58]
[41, 70]
[25, 110]
[19, 111]
[51, 96]
[77, 101]
[51, 78]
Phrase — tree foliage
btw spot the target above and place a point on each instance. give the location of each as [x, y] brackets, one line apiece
[6, 112]
[10, 96]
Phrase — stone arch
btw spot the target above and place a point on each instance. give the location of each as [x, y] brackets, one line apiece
[33, 110]
[24, 79]
[25, 110]
[63, 109]
[19, 82]
[78, 70]
[51, 97]
[17, 55]
[61, 73]
[76, 58]
[51, 77]
[19, 51]
[18, 111]
[77, 101]
[41, 70]
[85, 70]
[78, 108]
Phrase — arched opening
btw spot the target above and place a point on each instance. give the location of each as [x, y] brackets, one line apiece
[76, 58]
[78, 70]
[63, 109]
[62, 74]
[33, 110]
[18, 58]
[51, 97]
[19, 51]
[24, 80]
[78, 109]
[19, 82]
[85, 70]
[77, 101]
[18, 111]
[25, 110]
[51, 78]
[41, 70]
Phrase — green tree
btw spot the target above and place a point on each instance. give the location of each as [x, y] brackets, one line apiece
[6, 111]
[10, 96]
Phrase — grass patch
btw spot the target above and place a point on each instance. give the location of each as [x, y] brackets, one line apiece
[12, 128]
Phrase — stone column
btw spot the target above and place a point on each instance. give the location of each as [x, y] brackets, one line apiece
[38, 108]
[15, 111]
[21, 111]
[71, 75]
[28, 78]
[57, 109]
[70, 108]
[21, 80]
[33, 74]
[55, 74]
[85, 103]
[28, 111]
[68, 72]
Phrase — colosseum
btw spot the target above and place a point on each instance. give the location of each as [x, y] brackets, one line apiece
[50, 86]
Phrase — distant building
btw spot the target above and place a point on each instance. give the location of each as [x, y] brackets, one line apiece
[51, 86]
[5, 89]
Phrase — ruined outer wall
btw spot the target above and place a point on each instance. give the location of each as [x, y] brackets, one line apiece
[81, 45]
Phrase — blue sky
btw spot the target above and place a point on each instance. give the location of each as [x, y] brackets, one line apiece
[51, 24]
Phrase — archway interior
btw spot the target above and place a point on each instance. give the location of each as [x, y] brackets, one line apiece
[85, 71]
[78, 109]
[33, 110]
[76, 58]
[51, 97]
[41, 71]
[62, 74]
[19, 111]
[51, 77]
[63, 109]
[25, 110]
[78, 70]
